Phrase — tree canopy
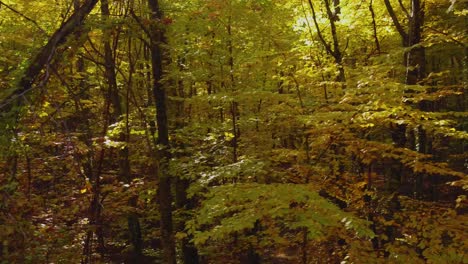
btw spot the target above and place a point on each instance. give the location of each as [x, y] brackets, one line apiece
[233, 131]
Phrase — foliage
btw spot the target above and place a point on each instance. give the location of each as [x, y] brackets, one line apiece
[272, 158]
[237, 208]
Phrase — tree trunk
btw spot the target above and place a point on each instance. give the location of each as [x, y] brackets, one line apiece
[235, 131]
[160, 99]
[189, 253]
[230, 51]
[88, 168]
[374, 27]
[334, 51]
[188, 250]
[124, 163]
[415, 57]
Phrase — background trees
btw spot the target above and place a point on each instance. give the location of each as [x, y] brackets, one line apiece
[233, 131]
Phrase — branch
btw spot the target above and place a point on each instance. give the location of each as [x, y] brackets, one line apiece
[404, 9]
[307, 20]
[140, 23]
[319, 32]
[374, 26]
[449, 36]
[94, 48]
[91, 59]
[25, 17]
[46, 54]
[397, 24]
[336, 48]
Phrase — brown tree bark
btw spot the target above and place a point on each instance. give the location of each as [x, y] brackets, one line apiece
[415, 57]
[235, 131]
[157, 38]
[230, 47]
[183, 203]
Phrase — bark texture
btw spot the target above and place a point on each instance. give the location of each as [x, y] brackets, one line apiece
[160, 99]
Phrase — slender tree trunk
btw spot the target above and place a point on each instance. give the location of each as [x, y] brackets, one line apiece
[124, 163]
[337, 54]
[133, 220]
[235, 131]
[182, 202]
[188, 250]
[211, 89]
[332, 49]
[374, 26]
[160, 98]
[230, 51]
[88, 168]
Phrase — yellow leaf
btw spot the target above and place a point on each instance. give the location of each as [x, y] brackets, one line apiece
[229, 135]
[83, 190]
[367, 125]
[180, 235]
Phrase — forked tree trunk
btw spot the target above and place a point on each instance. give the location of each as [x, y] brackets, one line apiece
[415, 57]
[333, 49]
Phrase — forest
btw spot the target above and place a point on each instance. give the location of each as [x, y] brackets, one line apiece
[233, 131]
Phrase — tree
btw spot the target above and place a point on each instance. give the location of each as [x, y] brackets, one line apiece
[157, 39]
[335, 51]
[123, 135]
[414, 59]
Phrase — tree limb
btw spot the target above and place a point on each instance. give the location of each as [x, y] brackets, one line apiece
[140, 23]
[404, 8]
[46, 54]
[319, 32]
[397, 24]
[336, 48]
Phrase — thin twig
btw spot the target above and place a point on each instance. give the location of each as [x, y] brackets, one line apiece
[448, 35]
[140, 23]
[25, 17]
